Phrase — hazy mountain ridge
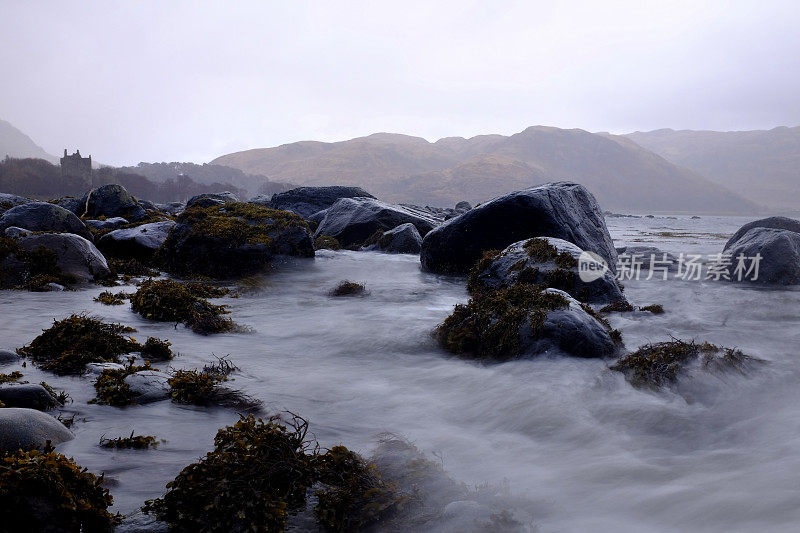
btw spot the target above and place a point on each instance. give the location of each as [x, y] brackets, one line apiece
[14, 143]
[623, 175]
[763, 165]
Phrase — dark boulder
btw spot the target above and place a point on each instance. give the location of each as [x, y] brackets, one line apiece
[73, 204]
[404, 239]
[305, 201]
[786, 223]
[140, 242]
[548, 261]
[42, 216]
[112, 200]
[29, 428]
[75, 256]
[210, 199]
[563, 210]
[28, 395]
[780, 256]
[234, 239]
[352, 221]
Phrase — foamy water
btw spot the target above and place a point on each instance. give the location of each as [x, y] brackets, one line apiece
[578, 448]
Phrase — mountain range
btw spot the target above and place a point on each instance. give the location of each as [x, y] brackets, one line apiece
[14, 143]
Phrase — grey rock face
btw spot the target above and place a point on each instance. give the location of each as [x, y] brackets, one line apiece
[305, 201]
[29, 428]
[210, 199]
[780, 255]
[563, 210]
[770, 222]
[404, 239]
[28, 395]
[353, 220]
[148, 386]
[110, 223]
[572, 331]
[112, 201]
[140, 242]
[41, 216]
[75, 255]
[515, 264]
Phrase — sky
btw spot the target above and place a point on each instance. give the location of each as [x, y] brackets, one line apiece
[189, 81]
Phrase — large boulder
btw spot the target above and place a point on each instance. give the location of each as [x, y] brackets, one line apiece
[73, 204]
[112, 200]
[404, 239]
[786, 223]
[546, 260]
[28, 395]
[305, 201]
[29, 428]
[42, 216]
[211, 199]
[7, 201]
[352, 221]
[140, 242]
[75, 256]
[234, 239]
[780, 256]
[563, 210]
[523, 321]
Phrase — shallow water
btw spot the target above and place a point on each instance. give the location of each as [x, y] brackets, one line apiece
[584, 450]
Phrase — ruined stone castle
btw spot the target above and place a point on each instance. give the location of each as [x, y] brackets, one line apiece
[76, 167]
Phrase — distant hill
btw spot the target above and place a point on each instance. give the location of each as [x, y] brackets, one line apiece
[762, 165]
[401, 168]
[14, 143]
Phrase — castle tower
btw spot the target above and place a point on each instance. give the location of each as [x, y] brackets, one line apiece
[77, 168]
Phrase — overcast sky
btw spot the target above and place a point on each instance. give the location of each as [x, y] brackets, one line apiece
[188, 81]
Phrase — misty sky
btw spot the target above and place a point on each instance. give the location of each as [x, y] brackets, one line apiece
[188, 81]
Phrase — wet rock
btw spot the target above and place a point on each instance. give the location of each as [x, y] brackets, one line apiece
[784, 223]
[523, 321]
[404, 239]
[563, 210]
[352, 221]
[233, 240]
[7, 357]
[75, 255]
[15, 233]
[211, 199]
[780, 255]
[140, 242]
[7, 201]
[305, 201]
[110, 223]
[73, 204]
[172, 208]
[463, 207]
[97, 368]
[29, 428]
[112, 200]
[41, 216]
[28, 395]
[549, 261]
[148, 386]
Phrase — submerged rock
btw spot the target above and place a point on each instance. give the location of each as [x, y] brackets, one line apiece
[75, 256]
[548, 261]
[29, 428]
[140, 242]
[563, 210]
[522, 321]
[780, 255]
[147, 386]
[352, 221]
[112, 200]
[233, 240]
[305, 201]
[42, 216]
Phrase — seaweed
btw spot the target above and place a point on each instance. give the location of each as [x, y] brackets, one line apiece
[69, 344]
[110, 298]
[656, 309]
[46, 491]
[133, 442]
[618, 306]
[488, 326]
[111, 388]
[10, 378]
[326, 242]
[157, 349]
[203, 388]
[348, 288]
